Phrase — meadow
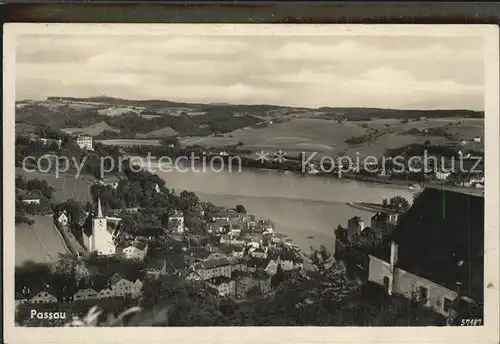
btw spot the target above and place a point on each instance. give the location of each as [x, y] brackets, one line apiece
[39, 243]
[65, 187]
[327, 137]
[92, 130]
[130, 142]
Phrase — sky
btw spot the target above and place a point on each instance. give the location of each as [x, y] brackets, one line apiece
[308, 71]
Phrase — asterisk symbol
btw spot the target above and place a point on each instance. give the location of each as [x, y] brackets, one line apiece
[262, 156]
[279, 156]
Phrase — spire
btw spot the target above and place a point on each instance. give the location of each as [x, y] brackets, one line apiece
[99, 208]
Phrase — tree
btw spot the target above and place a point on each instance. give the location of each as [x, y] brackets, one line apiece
[385, 203]
[399, 203]
[74, 209]
[89, 207]
[240, 209]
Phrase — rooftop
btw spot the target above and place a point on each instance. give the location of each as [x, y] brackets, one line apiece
[213, 263]
[441, 238]
[219, 280]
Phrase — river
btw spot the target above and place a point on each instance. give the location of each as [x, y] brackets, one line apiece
[300, 206]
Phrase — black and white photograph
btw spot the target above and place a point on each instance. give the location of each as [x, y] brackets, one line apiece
[220, 176]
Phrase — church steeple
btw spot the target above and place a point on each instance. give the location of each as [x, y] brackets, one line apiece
[99, 208]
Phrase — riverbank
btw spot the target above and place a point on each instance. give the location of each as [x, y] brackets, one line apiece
[371, 207]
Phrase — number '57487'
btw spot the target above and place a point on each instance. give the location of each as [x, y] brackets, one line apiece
[471, 322]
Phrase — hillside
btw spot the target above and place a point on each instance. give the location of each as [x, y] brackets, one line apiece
[160, 133]
[126, 102]
[115, 111]
[66, 186]
[267, 127]
[369, 113]
[92, 130]
[329, 137]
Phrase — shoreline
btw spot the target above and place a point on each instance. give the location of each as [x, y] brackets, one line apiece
[363, 179]
[371, 207]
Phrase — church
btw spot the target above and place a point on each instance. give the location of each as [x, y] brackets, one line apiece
[98, 235]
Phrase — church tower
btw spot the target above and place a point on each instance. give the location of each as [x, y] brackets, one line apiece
[101, 240]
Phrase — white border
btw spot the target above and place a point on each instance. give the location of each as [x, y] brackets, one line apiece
[486, 334]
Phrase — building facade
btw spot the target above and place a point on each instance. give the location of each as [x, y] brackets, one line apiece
[97, 236]
[85, 142]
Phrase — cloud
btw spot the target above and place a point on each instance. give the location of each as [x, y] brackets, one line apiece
[351, 50]
[193, 45]
[382, 80]
[317, 71]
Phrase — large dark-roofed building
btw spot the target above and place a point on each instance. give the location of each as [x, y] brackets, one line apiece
[437, 250]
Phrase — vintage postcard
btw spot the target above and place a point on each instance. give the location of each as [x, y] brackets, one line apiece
[262, 183]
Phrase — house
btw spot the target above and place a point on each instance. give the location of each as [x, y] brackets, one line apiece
[243, 283]
[62, 219]
[258, 253]
[354, 227]
[31, 200]
[254, 264]
[473, 181]
[124, 287]
[43, 297]
[190, 275]
[246, 281]
[224, 215]
[136, 250]
[272, 267]
[213, 267]
[220, 226]
[442, 176]
[86, 294]
[267, 229]
[110, 181]
[156, 267]
[383, 222]
[476, 139]
[85, 142]
[105, 293]
[224, 286]
[227, 239]
[167, 265]
[176, 222]
[235, 231]
[436, 252]
[263, 280]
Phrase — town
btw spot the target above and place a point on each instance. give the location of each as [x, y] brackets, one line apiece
[139, 243]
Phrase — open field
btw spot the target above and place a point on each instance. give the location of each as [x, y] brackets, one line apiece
[294, 135]
[149, 116]
[130, 142]
[91, 130]
[160, 133]
[65, 187]
[115, 111]
[327, 137]
[40, 242]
